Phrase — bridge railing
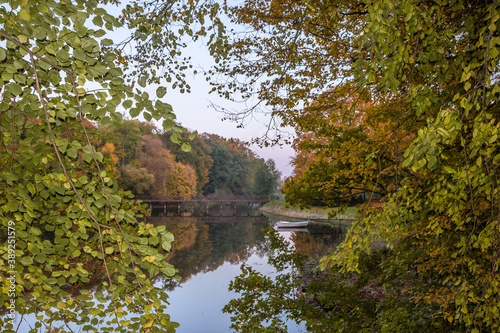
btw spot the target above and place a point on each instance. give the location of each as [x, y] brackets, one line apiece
[218, 198]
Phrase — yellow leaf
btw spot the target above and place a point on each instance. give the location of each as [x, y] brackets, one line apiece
[25, 15]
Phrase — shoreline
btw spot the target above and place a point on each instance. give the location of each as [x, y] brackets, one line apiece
[277, 208]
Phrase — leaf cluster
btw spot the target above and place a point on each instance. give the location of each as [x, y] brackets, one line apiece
[81, 257]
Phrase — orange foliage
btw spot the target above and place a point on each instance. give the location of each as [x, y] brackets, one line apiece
[182, 182]
[347, 146]
[108, 150]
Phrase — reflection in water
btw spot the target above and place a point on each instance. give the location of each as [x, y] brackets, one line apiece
[202, 247]
[208, 256]
[316, 245]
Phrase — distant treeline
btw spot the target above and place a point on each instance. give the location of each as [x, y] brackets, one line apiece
[147, 162]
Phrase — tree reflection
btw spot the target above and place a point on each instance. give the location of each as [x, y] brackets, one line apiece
[203, 247]
[317, 245]
[266, 304]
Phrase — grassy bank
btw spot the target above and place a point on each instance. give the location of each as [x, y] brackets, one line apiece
[277, 207]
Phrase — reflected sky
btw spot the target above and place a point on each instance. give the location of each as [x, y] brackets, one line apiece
[212, 258]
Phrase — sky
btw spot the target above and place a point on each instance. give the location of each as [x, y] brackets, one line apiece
[194, 112]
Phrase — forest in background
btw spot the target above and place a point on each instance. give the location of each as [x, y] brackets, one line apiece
[148, 163]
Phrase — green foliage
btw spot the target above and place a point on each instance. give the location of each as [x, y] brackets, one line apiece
[137, 180]
[232, 170]
[127, 138]
[375, 299]
[81, 256]
[266, 303]
[266, 178]
[437, 65]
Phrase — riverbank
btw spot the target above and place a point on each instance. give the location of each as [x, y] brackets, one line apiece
[277, 207]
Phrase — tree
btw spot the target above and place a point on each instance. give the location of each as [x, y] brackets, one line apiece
[158, 161]
[437, 62]
[266, 178]
[233, 167]
[136, 179]
[68, 233]
[182, 182]
[336, 146]
[198, 157]
[127, 138]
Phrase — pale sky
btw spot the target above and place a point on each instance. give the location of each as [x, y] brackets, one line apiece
[193, 109]
[194, 112]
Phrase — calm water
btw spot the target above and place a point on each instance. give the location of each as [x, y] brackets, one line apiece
[208, 256]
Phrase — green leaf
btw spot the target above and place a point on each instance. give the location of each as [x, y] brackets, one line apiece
[175, 138]
[3, 54]
[161, 91]
[72, 152]
[186, 147]
[127, 104]
[15, 89]
[51, 280]
[26, 260]
[142, 81]
[166, 245]
[100, 33]
[87, 157]
[97, 21]
[134, 112]
[101, 202]
[79, 54]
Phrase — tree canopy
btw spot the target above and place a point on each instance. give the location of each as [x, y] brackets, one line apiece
[428, 70]
[424, 138]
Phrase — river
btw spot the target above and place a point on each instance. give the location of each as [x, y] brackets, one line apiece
[208, 256]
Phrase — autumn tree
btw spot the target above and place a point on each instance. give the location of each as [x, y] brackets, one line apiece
[182, 182]
[198, 157]
[65, 223]
[126, 138]
[335, 141]
[158, 161]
